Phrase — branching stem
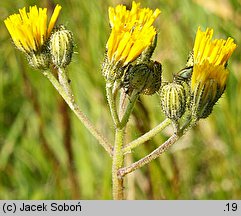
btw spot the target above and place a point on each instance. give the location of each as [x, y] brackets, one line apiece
[147, 136]
[147, 159]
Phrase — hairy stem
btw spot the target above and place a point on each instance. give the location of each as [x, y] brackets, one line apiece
[66, 125]
[147, 159]
[157, 152]
[64, 81]
[147, 136]
[129, 108]
[118, 161]
[75, 108]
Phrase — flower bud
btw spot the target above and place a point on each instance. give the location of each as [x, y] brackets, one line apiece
[61, 47]
[154, 82]
[204, 98]
[144, 77]
[39, 60]
[173, 100]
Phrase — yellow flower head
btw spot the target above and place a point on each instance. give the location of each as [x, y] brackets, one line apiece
[131, 32]
[210, 74]
[29, 30]
[210, 58]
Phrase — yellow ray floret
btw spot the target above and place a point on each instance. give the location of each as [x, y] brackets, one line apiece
[131, 33]
[29, 30]
[210, 58]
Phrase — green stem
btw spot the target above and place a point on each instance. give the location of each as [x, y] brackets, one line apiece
[112, 104]
[147, 159]
[130, 106]
[156, 153]
[64, 81]
[147, 136]
[75, 108]
[118, 162]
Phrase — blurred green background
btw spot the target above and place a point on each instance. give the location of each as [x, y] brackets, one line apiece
[46, 154]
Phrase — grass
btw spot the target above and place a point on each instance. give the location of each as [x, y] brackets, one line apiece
[37, 129]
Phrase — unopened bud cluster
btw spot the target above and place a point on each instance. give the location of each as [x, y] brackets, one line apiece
[175, 96]
[193, 91]
[178, 98]
[57, 51]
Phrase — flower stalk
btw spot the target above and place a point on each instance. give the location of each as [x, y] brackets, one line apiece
[64, 81]
[147, 136]
[147, 159]
[112, 104]
[81, 116]
[129, 108]
[158, 151]
[117, 163]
